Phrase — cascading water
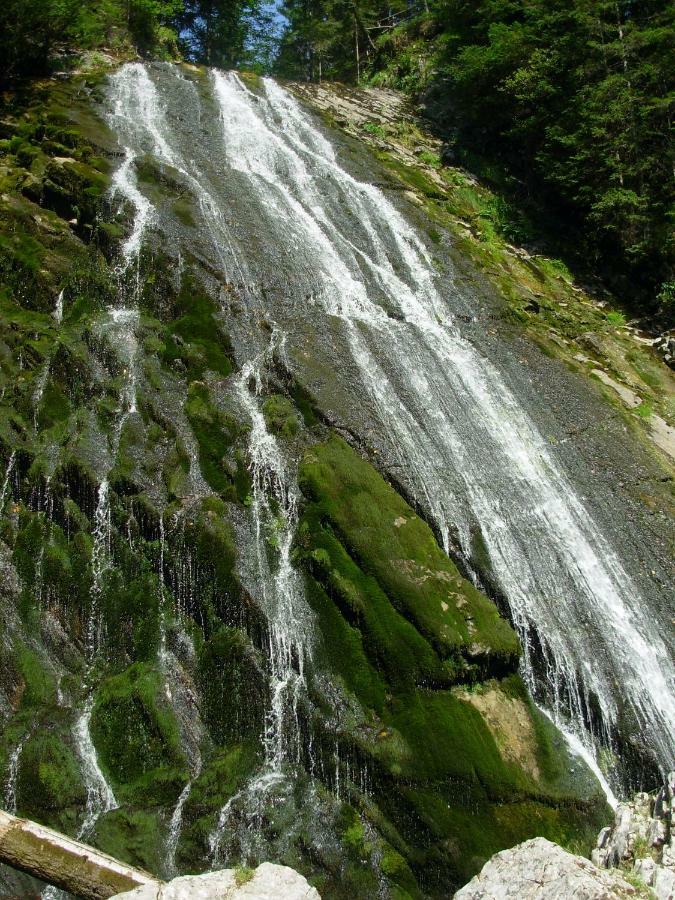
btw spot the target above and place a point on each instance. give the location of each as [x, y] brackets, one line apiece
[447, 415]
[13, 774]
[440, 400]
[100, 797]
[119, 329]
[4, 490]
[138, 119]
[274, 508]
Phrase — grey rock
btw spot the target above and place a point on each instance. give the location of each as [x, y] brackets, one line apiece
[269, 882]
[541, 870]
[663, 884]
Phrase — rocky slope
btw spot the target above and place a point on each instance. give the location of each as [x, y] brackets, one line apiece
[137, 647]
[576, 322]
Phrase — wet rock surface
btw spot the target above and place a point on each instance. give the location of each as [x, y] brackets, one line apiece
[202, 376]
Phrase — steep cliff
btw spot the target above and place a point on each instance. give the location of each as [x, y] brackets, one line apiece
[230, 632]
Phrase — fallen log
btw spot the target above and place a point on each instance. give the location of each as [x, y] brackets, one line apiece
[64, 862]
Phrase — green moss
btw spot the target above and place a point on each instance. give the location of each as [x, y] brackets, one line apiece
[391, 543]
[195, 337]
[215, 433]
[343, 646]
[183, 211]
[645, 410]
[242, 875]
[392, 643]
[50, 787]
[39, 681]
[280, 416]
[137, 737]
[232, 687]
[131, 612]
[134, 836]
[443, 781]
[210, 537]
[222, 776]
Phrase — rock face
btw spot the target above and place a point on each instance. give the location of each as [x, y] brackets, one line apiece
[539, 870]
[268, 882]
[642, 840]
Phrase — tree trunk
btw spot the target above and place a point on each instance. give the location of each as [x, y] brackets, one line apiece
[358, 58]
[64, 862]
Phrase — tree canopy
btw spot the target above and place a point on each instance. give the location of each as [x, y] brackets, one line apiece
[227, 33]
[571, 101]
[568, 101]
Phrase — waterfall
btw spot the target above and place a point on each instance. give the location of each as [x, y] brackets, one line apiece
[58, 308]
[450, 418]
[473, 454]
[175, 826]
[8, 474]
[274, 511]
[119, 329]
[100, 798]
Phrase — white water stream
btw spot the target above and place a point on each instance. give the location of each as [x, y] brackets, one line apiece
[118, 329]
[475, 458]
[274, 510]
[13, 774]
[476, 461]
[472, 451]
[8, 474]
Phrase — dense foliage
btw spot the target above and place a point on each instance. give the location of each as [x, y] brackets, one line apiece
[568, 106]
[573, 100]
[31, 31]
[226, 33]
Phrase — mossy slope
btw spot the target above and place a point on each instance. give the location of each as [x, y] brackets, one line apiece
[400, 627]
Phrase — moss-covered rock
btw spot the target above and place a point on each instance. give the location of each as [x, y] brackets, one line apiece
[233, 687]
[50, 787]
[134, 836]
[397, 548]
[221, 777]
[137, 737]
[460, 765]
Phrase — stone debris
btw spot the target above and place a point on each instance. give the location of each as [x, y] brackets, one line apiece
[267, 882]
[642, 840]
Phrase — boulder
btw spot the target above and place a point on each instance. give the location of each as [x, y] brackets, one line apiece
[541, 870]
[267, 882]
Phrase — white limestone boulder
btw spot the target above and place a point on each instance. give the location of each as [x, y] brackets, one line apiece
[268, 882]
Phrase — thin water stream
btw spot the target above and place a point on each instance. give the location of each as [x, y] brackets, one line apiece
[274, 511]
